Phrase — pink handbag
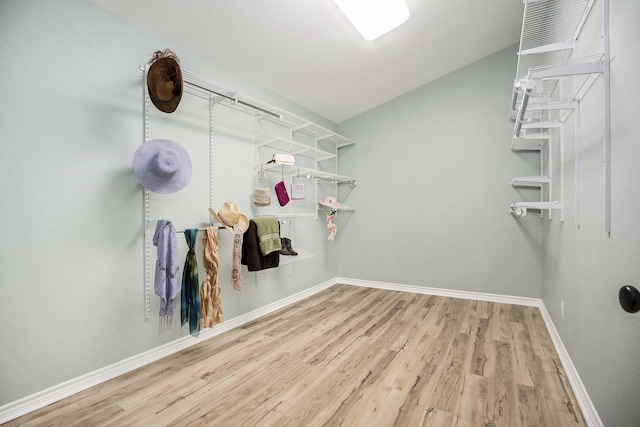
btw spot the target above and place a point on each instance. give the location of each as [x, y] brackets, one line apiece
[281, 192]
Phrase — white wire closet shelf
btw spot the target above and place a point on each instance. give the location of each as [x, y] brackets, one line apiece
[534, 93]
[531, 181]
[550, 30]
[553, 75]
[342, 207]
[290, 259]
[291, 215]
[206, 88]
[296, 148]
[530, 141]
[311, 173]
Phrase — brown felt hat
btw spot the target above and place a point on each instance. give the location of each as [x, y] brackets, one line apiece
[164, 81]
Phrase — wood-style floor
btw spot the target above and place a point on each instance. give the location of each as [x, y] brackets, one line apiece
[349, 356]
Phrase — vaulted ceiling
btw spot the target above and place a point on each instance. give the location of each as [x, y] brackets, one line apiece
[307, 51]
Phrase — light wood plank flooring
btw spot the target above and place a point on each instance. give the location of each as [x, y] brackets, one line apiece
[349, 356]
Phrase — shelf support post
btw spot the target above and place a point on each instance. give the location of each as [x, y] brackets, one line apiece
[607, 116]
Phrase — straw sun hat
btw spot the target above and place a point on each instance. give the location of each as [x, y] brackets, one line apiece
[229, 215]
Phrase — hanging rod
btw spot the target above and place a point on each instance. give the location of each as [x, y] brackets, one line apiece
[217, 225]
[188, 80]
[220, 227]
[528, 87]
[235, 100]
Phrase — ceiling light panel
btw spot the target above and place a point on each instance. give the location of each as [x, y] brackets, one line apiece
[373, 18]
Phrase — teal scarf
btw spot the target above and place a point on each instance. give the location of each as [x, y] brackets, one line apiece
[190, 300]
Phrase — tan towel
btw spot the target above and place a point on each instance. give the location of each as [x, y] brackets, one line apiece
[268, 230]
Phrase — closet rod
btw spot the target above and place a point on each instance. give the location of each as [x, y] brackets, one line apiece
[523, 107]
[220, 227]
[185, 79]
[235, 100]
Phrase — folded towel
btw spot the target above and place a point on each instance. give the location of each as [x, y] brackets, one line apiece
[268, 230]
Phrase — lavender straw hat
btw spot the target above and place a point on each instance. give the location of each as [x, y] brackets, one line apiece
[162, 166]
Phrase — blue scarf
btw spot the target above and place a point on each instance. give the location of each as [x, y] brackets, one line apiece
[190, 301]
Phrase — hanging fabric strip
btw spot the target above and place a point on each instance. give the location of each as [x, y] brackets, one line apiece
[190, 301]
[236, 273]
[210, 302]
[333, 228]
[166, 279]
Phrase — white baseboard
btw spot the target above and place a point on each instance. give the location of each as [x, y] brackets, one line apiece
[53, 394]
[531, 302]
[584, 401]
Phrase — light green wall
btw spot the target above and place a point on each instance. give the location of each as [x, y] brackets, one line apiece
[434, 168]
[583, 266]
[434, 171]
[72, 258]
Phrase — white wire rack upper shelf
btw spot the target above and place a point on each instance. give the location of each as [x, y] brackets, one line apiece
[311, 173]
[549, 31]
[547, 48]
[296, 148]
[206, 88]
[559, 60]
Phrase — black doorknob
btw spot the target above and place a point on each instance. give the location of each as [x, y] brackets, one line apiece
[629, 299]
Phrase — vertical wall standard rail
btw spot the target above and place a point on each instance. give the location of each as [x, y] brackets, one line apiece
[147, 207]
[607, 116]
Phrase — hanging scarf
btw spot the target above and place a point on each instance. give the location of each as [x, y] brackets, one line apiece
[210, 303]
[190, 302]
[236, 257]
[333, 228]
[236, 273]
[166, 279]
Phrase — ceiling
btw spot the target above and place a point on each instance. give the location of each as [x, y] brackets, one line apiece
[307, 51]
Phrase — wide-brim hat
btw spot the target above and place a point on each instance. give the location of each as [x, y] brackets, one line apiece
[330, 202]
[229, 215]
[164, 81]
[162, 166]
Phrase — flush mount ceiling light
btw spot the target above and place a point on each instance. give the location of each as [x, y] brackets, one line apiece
[373, 18]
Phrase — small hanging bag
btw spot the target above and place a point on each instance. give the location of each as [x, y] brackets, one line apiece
[298, 190]
[261, 192]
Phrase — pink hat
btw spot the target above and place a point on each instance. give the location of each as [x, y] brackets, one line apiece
[330, 202]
